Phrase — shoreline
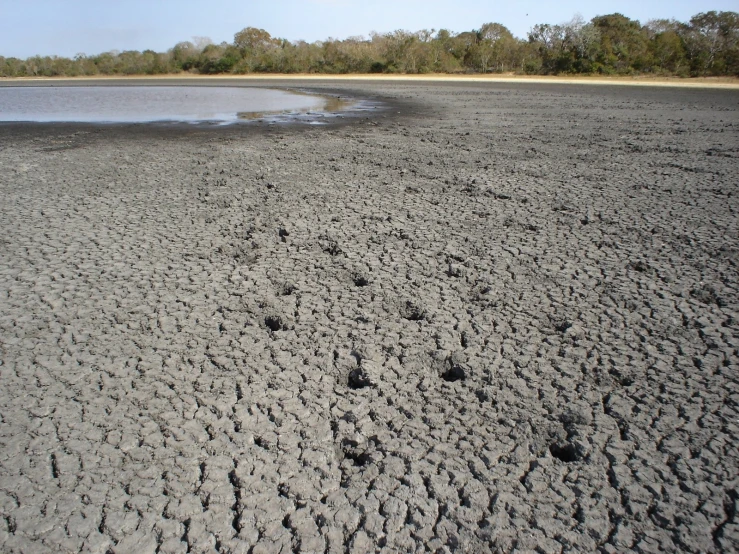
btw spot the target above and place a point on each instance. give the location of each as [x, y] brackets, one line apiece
[726, 83]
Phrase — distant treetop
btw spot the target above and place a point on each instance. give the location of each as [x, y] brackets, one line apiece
[706, 45]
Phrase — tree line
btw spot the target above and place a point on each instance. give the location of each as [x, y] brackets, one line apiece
[707, 45]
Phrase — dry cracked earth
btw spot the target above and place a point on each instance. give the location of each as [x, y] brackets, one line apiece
[486, 318]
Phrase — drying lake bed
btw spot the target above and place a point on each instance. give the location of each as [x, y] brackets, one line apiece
[483, 317]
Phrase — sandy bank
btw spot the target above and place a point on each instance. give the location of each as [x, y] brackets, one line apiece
[717, 83]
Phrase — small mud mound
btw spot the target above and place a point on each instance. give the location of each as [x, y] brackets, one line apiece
[411, 311]
[286, 288]
[368, 373]
[708, 295]
[640, 266]
[450, 367]
[330, 246]
[454, 374]
[360, 279]
[241, 253]
[359, 379]
[275, 323]
[355, 452]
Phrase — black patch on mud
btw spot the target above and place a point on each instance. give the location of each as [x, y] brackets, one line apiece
[275, 323]
[640, 266]
[358, 379]
[286, 289]
[332, 248]
[360, 280]
[355, 452]
[565, 452]
[453, 374]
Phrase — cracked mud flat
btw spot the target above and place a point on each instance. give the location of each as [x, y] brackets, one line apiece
[505, 319]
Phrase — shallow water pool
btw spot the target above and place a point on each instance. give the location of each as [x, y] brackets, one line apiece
[144, 104]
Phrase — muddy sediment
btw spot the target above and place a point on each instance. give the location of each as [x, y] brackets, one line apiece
[488, 317]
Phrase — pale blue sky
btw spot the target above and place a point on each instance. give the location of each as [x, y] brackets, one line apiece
[68, 27]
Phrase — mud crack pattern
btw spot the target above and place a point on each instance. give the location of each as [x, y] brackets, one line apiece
[504, 319]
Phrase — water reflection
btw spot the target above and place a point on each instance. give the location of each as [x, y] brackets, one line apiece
[143, 104]
[330, 104]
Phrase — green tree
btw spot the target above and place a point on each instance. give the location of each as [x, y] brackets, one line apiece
[12, 67]
[706, 45]
[218, 58]
[712, 42]
[493, 49]
[623, 43]
[405, 52]
[441, 57]
[551, 43]
[252, 40]
[85, 65]
[666, 46]
[184, 56]
[582, 44]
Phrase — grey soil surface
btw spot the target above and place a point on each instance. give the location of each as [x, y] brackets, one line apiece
[505, 318]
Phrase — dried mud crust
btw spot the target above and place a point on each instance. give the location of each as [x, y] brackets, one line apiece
[510, 324]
